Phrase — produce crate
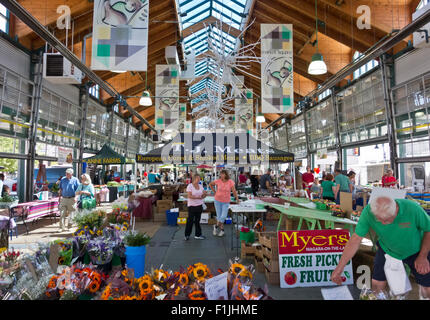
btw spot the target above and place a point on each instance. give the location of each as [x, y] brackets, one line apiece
[268, 239]
[165, 203]
[183, 214]
[258, 263]
[272, 277]
[271, 264]
[259, 252]
[246, 250]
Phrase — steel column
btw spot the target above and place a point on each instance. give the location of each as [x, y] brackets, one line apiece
[389, 113]
[37, 91]
[126, 148]
[83, 103]
[308, 149]
[337, 127]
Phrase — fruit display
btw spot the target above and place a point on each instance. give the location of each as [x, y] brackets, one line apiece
[336, 211]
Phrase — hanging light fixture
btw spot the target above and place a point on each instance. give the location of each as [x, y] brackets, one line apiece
[317, 65]
[146, 100]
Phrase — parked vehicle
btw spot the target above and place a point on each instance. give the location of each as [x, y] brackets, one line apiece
[52, 175]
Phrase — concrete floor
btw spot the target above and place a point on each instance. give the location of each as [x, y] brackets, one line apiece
[169, 250]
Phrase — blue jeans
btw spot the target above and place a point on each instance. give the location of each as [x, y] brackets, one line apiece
[221, 209]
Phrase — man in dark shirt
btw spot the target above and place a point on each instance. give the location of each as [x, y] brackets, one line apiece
[266, 182]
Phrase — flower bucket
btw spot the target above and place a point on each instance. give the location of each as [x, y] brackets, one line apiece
[135, 259]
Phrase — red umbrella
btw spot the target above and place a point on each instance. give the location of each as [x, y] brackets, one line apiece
[203, 166]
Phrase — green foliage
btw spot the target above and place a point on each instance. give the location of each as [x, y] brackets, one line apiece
[7, 198]
[91, 219]
[6, 145]
[136, 239]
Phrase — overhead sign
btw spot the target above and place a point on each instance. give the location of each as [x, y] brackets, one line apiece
[277, 90]
[167, 101]
[120, 35]
[65, 155]
[307, 258]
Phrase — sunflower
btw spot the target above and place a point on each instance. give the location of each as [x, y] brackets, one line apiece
[200, 272]
[61, 260]
[177, 291]
[99, 232]
[246, 274]
[96, 277]
[183, 279]
[106, 293]
[124, 272]
[190, 269]
[94, 286]
[237, 268]
[197, 295]
[145, 285]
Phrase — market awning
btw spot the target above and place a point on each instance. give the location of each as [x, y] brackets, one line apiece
[219, 148]
[105, 156]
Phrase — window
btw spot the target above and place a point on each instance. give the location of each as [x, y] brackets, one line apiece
[4, 19]
[422, 4]
[95, 91]
[325, 94]
[367, 67]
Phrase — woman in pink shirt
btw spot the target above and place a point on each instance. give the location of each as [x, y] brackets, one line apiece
[196, 194]
[224, 187]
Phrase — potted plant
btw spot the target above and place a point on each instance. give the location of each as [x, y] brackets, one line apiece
[7, 201]
[135, 251]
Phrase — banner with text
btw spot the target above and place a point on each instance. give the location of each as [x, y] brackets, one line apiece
[244, 111]
[277, 89]
[307, 258]
[167, 97]
[120, 35]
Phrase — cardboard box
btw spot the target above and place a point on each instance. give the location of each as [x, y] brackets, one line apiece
[168, 203]
[182, 220]
[167, 198]
[346, 203]
[183, 214]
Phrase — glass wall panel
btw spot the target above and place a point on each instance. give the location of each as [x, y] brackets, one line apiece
[297, 137]
[321, 126]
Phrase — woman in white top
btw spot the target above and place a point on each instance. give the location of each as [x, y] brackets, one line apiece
[196, 195]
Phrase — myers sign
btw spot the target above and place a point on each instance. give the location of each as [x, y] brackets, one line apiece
[307, 258]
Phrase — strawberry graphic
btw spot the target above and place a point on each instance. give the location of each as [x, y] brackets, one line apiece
[343, 279]
[290, 278]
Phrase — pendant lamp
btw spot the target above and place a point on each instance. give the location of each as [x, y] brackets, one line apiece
[146, 100]
[317, 65]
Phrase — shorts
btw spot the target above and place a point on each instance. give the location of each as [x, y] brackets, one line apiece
[67, 206]
[221, 209]
[379, 273]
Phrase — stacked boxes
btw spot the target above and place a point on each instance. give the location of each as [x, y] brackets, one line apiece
[246, 250]
[161, 208]
[270, 253]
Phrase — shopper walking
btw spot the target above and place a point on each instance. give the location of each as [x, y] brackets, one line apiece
[85, 192]
[328, 187]
[68, 186]
[196, 195]
[343, 184]
[224, 188]
[403, 229]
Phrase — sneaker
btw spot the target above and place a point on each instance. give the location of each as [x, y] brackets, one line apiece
[221, 233]
[200, 238]
[215, 232]
[186, 238]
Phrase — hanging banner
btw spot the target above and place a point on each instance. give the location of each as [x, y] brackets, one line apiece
[65, 155]
[277, 89]
[229, 123]
[182, 116]
[244, 112]
[167, 97]
[307, 258]
[120, 35]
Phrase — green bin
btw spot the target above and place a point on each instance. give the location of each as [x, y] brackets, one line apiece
[321, 206]
[248, 237]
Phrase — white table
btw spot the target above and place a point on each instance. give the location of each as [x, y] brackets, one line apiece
[244, 207]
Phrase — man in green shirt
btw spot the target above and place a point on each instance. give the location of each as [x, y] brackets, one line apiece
[403, 229]
[343, 184]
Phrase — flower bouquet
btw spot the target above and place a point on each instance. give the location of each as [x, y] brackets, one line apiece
[66, 251]
[93, 220]
[118, 217]
[100, 250]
